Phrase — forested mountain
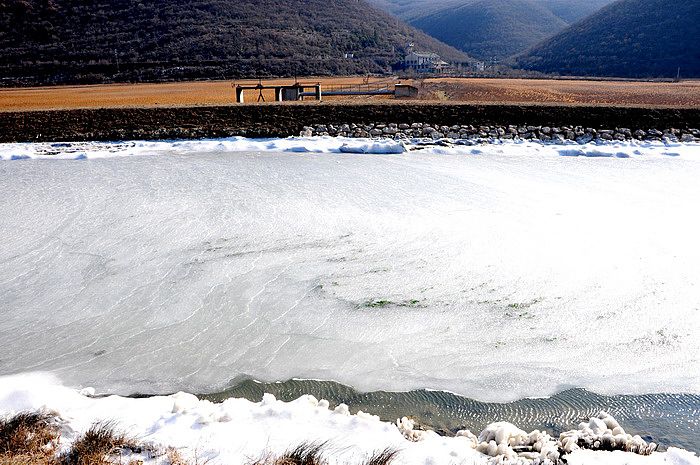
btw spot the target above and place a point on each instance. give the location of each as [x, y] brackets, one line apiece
[62, 41]
[629, 38]
[492, 28]
[568, 10]
[573, 10]
[411, 9]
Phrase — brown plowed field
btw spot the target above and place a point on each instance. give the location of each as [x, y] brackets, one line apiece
[505, 91]
[673, 94]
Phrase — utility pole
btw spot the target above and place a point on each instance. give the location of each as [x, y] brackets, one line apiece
[678, 75]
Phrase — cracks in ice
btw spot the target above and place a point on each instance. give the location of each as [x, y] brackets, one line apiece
[296, 303]
[264, 286]
[247, 310]
[180, 322]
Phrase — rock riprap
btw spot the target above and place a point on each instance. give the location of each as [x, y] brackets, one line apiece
[579, 134]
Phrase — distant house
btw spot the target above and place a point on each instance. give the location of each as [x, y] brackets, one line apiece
[424, 62]
[477, 65]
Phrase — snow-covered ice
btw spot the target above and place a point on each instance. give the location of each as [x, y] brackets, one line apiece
[498, 271]
[237, 431]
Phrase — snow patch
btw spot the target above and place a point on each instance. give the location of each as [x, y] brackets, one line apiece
[204, 430]
[326, 144]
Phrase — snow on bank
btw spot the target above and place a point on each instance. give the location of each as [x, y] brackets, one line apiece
[93, 150]
[237, 431]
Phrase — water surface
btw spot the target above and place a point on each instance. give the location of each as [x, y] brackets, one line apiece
[667, 419]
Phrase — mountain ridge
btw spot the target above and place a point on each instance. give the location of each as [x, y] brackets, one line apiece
[85, 41]
[628, 38]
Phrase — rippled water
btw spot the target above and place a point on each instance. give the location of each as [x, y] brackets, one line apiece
[667, 419]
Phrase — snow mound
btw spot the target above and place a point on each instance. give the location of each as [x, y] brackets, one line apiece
[675, 456]
[95, 150]
[604, 433]
[374, 147]
[326, 144]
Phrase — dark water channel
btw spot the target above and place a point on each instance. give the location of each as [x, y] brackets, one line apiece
[667, 419]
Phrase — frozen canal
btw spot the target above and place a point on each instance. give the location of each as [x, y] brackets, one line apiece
[497, 272]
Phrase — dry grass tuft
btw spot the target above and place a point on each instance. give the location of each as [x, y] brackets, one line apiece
[306, 453]
[23, 459]
[309, 453]
[97, 444]
[174, 457]
[29, 435]
[32, 438]
[383, 457]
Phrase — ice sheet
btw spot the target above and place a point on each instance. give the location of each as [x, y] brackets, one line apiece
[497, 272]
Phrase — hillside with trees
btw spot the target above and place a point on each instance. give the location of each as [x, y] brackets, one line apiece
[573, 10]
[629, 38]
[90, 41]
[412, 9]
[568, 10]
[489, 29]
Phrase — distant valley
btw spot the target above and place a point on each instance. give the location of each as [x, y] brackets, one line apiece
[492, 29]
[624, 38]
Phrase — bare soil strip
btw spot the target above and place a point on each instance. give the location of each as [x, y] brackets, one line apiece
[684, 94]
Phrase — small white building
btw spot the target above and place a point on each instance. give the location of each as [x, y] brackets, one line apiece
[477, 65]
[424, 62]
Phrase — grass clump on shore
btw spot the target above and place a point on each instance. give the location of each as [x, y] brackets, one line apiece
[97, 444]
[306, 453]
[28, 438]
[382, 457]
[32, 438]
[309, 453]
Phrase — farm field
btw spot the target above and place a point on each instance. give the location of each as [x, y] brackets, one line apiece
[596, 92]
[145, 94]
[474, 90]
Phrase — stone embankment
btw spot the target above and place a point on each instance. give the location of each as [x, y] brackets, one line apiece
[559, 134]
[543, 122]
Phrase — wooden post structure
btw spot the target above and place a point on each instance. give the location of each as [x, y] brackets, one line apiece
[282, 93]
